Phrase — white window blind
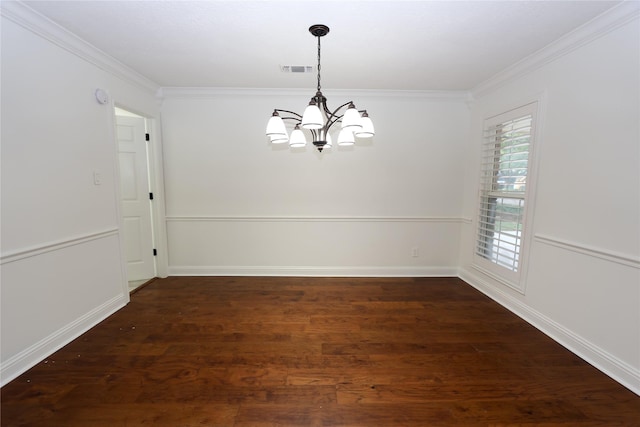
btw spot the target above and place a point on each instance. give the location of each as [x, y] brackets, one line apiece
[503, 181]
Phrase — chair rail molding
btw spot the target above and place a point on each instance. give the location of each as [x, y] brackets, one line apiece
[276, 218]
[601, 253]
[57, 245]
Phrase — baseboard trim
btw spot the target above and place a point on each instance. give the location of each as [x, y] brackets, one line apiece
[313, 271]
[617, 369]
[32, 355]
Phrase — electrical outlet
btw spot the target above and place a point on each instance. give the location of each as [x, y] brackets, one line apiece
[97, 178]
[415, 252]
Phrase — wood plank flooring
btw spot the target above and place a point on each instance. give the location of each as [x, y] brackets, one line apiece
[266, 351]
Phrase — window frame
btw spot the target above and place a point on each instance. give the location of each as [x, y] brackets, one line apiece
[487, 266]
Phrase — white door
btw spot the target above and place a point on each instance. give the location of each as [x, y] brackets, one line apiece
[136, 204]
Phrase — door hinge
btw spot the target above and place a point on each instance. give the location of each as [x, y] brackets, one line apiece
[155, 252]
[146, 135]
[150, 196]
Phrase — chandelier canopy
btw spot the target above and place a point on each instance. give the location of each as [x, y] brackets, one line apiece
[318, 119]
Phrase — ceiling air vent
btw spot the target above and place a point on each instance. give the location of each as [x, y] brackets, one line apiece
[296, 68]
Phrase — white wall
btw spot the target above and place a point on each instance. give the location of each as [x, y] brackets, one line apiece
[582, 276]
[237, 205]
[61, 264]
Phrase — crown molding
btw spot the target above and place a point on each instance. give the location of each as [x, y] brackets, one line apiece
[31, 20]
[38, 24]
[215, 92]
[599, 26]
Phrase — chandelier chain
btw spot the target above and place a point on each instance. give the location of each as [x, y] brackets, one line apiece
[318, 63]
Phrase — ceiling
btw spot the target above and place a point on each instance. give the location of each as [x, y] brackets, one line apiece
[394, 45]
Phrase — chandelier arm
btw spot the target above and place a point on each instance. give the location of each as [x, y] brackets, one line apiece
[333, 117]
[296, 119]
[329, 124]
[290, 112]
[335, 112]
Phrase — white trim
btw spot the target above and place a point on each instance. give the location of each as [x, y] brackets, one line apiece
[498, 278]
[213, 92]
[156, 163]
[116, 196]
[617, 369]
[313, 271]
[56, 245]
[32, 355]
[504, 275]
[532, 185]
[42, 26]
[275, 218]
[592, 251]
[592, 30]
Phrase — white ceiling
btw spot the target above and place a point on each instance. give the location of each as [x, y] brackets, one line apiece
[400, 45]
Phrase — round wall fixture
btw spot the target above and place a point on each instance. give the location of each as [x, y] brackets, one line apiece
[101, 96]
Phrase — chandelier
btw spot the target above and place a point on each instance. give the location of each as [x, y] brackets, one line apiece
[318, 119]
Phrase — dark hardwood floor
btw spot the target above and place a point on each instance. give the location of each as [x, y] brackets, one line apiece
[256, 351]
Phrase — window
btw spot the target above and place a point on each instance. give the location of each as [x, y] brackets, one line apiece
[503, 182]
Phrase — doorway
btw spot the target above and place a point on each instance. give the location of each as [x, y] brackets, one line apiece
[135, 197]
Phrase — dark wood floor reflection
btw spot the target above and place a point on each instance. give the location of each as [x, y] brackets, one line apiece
[255, 351]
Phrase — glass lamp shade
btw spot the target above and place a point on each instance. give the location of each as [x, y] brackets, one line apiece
[275, 126]
[351, 119]
[297, 138]
[279, 139]
[367, 130]
[312, 117]
[345, 137]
